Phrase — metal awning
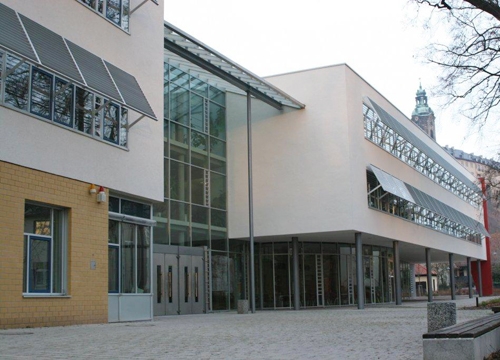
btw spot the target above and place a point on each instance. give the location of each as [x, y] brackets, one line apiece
[405, 191]
[193, 50]
[36, 43]
[409, 136]
[391, 184]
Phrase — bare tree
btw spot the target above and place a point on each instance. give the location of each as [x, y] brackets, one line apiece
[470, 57]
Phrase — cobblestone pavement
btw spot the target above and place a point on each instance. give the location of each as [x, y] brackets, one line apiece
[377, 332]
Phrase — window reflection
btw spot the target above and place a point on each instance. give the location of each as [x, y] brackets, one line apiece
[17, 83]
[63, 102]
[83, 110]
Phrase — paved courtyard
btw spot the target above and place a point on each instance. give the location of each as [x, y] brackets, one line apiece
[378, 332]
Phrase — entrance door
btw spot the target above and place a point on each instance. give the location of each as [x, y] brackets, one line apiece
[179, 284]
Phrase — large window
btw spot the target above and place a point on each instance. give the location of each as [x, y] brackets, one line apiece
[382, 200]
[45, 250]
[116, 11]
[391, 141]
[195, 163]
[47, 96]
[129, 247]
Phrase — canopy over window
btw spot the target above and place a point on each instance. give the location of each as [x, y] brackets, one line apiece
[203, 56]
[405, 191]
[36, 43]
[409, 136]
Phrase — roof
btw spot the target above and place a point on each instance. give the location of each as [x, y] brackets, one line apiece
[462, 155]
[195, 52]
[422, 270]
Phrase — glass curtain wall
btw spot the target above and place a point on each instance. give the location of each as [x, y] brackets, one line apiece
[327, 274]
[194, 212]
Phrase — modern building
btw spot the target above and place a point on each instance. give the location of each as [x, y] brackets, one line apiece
[80, 153]
[328, 200]
[346, 189]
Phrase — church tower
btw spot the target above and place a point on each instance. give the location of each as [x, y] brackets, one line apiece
[423, 115]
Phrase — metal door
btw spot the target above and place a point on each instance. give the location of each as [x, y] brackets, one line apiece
[191, 293]
[166, 299]
[179, 284]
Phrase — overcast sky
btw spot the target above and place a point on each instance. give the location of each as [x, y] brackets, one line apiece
[381, 40]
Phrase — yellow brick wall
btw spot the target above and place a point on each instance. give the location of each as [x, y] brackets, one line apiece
[87, 240]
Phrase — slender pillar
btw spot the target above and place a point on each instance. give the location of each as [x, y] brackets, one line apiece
[359, 271]
[397, 273]
[429, 273]
[413, 287]
[479, 285]
[250, 202]
[452, 278]
[296, 286]
[469, 276]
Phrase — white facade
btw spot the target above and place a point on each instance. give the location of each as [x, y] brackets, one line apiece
[310, 166]
[45, 146]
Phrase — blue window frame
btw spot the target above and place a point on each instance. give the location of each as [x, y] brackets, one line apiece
[39, 264]
[30, 89]
[45, 249]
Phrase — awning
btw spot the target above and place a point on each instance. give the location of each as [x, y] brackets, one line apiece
[409, 136]
[391, 184]
[405, 191]
[194, 51]
[36, 43]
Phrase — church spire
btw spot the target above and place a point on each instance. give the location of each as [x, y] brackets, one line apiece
[423, 115]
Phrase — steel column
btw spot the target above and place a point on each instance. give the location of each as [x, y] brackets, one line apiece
[296, 286]
[250, 202]
[452, 278]
[429, 273]
[359, 271]
[397, 272]
[469, 276]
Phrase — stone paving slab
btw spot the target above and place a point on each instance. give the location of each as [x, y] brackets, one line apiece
[377, 332]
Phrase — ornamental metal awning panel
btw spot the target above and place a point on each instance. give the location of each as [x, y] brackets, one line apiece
[130, 90]
[12, 35]
[194, 51]
[438, 207]
[94, 72]
[51, 49]
[391, 184]
[408, 135]
[43, 47]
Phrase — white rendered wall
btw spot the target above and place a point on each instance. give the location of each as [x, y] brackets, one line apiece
[310, 166]
[41, 145]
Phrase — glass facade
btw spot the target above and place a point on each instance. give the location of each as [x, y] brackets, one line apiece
[382, 200]
[194, 211]
[327, 275]
[396, 144]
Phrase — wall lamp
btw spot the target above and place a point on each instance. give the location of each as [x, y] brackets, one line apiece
[101, 194]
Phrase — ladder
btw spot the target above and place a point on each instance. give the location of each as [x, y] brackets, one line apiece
[319, 280]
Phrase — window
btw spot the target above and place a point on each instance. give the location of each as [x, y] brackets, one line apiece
[41, 92]
[63, 103]
[47, 96]
[45, 254]
[116, 11]
[17, 73]
[129, 247]
[195, 161]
